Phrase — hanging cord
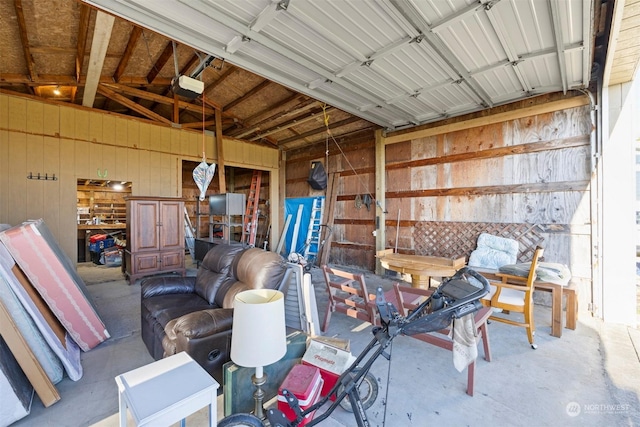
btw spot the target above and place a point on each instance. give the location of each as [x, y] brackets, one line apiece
[204, 157]
[330, 135]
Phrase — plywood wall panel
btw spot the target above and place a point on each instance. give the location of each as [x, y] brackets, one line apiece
[164, 140]
[551, 208]
[35, 188]
[17, 114]
[108, 129]
[144, 137]
[67, 123]
[4, 168]
[82, 159]
[4, 112]
[35, 118]
[175, 142]
[122, 132]
[404, 151]
[96, 127]
[416, 178]
[51, 120]
[186, 145]
[121, 169]
[421, 148]
[424, 207]
[18, 176]
[145, 174]
[133, 170]
[133, 133]
[51, 196]
[109, 161]
[81, 125]
[97, 169]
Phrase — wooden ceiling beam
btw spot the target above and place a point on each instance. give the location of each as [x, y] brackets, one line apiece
[225, 75]
[149, 96]
[99, 46]
[247, 95]
[53, 79]
[22, 29]
[83, 29]
[128, 51]
[131, 105]
[160, 62]
[302, 118]
[276, 113]
[321, 129]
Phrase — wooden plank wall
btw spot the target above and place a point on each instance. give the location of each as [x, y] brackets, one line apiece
[534, 169]
[74, 142]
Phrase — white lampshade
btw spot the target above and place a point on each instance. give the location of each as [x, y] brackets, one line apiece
[259, 334]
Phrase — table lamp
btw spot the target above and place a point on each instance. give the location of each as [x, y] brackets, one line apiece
[258, 336]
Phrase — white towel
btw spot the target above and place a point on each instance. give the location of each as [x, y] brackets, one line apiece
[465, 349]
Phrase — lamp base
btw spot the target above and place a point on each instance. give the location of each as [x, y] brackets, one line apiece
[258, 395]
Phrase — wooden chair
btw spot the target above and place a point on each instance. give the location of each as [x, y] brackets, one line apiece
[515, 294]
[347, 294]
[408, 298]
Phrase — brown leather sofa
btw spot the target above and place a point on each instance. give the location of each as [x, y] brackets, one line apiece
[195, 314]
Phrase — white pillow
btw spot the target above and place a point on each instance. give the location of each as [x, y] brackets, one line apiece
[493, 252]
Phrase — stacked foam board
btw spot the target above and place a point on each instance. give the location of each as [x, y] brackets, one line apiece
[46, 315]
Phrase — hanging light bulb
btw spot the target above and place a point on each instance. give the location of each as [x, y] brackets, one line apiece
[56, 90]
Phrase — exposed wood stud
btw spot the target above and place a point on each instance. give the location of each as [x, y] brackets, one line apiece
[103, 90]
[219, 146]
[160, 62]
[128, 51]
[99, 46]
[22, 27]
[247, 95]
[83, 29]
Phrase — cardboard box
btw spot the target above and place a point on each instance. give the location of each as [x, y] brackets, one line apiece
[331, 361]
[305, 382]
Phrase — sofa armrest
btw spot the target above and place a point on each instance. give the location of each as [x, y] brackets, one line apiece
[201, 323]
[154, 286]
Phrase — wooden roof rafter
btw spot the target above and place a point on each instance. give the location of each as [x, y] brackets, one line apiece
[300, 119]
[123, 100]
[282, 110]
[83, 29]
[247, 95]
[167, 52]
[149, 96]
[28, 58]
[128, 51]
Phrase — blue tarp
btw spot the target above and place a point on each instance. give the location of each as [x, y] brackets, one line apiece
[291, 208]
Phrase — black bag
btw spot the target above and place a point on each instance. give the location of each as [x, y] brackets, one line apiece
[317, 176]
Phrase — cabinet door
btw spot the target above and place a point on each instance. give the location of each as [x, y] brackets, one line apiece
[145, 226]
[145, 263]
[172, 260]
[171, 225]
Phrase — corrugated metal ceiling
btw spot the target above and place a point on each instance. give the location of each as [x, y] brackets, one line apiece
[396, 63]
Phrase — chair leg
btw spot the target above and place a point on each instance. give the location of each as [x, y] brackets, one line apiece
[327, 318]
[531, 329]
[485, 342]
[471, 376]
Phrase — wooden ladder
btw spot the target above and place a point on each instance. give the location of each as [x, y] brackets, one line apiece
[250, 225]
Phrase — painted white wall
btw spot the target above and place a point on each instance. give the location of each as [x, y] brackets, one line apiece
[618, 203]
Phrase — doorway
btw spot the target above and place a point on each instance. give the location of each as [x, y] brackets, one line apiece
[101, 210]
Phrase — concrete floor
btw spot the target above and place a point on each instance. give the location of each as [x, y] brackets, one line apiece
[589, 377]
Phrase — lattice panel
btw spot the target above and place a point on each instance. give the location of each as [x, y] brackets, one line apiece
[456, 239]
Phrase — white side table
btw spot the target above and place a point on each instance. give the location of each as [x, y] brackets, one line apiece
[167, 391]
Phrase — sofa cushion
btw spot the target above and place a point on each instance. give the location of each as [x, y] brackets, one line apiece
[493, 252]
[167, 307]
[214, 269]
[254, 269]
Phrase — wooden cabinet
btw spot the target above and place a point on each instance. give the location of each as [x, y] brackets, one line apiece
[155, 237]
